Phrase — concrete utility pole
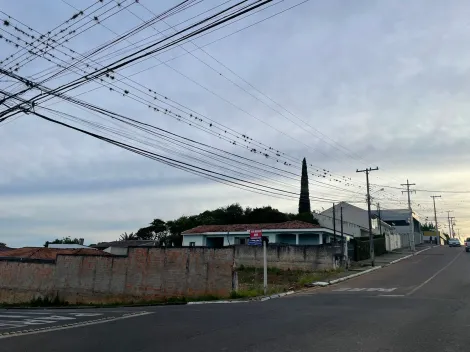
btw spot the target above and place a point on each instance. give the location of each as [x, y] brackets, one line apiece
[412, 224]
[435, 219]
[334, 224]
[342, 234]
[448, 220]
[452, 233]
[371, 236]
[380, 218]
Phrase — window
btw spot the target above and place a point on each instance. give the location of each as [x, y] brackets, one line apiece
[192, 244]
[240, 240]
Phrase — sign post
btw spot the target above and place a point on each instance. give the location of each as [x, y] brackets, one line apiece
[256, 239]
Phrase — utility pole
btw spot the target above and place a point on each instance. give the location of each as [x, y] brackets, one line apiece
[342, 234]
[371, 236]
[334, 224]
[380, 218]
[448, 220]
[438, 240]
[412, 224]
[452, 233]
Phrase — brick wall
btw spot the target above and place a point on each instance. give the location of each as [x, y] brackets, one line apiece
[146, 274]
[288, 257]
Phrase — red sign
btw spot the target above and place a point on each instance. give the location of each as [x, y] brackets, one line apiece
[256, 234]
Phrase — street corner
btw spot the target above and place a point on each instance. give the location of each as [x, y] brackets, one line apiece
[15, 322]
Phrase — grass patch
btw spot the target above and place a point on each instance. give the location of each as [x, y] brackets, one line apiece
[250, 280]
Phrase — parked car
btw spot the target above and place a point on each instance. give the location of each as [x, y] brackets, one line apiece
[454, 242]
[467, 244]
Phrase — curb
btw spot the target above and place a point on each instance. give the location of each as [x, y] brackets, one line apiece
[72, 307]
[332, 282]
[215, 302]
[408, 256]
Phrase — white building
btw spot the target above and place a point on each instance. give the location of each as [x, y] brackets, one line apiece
[289, 232]
[400, 219]
[356, 223]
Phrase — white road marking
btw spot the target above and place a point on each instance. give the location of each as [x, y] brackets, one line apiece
[7, 324]
[85, 314]
[71, 326]
[13, 316]
[26, 319]
[432, 277]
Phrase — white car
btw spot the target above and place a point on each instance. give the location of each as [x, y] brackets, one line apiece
[467, 244]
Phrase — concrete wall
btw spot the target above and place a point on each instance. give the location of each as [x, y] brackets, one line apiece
[393, 241]
[288, 257]
[145, 274]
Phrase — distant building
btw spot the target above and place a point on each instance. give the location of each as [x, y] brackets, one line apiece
[400, 219]
[355, 220]
[289, 232]
[120, 247]
[67, 246]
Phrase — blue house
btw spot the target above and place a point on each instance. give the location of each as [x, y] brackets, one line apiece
[289, 232]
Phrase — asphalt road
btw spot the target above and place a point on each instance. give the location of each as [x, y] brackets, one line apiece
[419, 304]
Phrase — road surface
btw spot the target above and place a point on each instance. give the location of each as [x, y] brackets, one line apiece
[418, 304]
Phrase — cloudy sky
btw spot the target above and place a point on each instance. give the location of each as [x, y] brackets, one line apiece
[350, 85]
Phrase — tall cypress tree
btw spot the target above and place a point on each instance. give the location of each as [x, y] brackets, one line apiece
[304, 200]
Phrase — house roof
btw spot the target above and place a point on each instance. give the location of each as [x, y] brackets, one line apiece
[68, 246]
[124, 244]
[294, 225]
[48, 253]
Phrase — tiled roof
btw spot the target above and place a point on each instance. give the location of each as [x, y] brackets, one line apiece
[47, 253]
[2, 249]
[294, 225]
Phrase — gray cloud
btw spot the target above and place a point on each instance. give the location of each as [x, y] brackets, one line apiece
[387, 82]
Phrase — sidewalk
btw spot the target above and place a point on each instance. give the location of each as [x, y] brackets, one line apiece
[387, 258]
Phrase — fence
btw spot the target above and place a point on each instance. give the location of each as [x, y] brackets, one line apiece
[361, 247]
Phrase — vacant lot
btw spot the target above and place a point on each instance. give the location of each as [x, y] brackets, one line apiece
[250, 280]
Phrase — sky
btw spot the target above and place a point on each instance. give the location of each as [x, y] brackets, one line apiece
[347, 85]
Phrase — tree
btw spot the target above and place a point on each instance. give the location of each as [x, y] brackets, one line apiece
[306, 217]
[304, 200]
[264, 215]
[65, 240]
[2, 244]
[127, 237]
[428, 226]
[145, 233]
[156, 231]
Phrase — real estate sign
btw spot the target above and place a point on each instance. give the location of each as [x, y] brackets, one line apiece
[256, 234]
[256, 238]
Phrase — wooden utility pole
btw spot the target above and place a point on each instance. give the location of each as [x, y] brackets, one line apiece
[371, 236]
